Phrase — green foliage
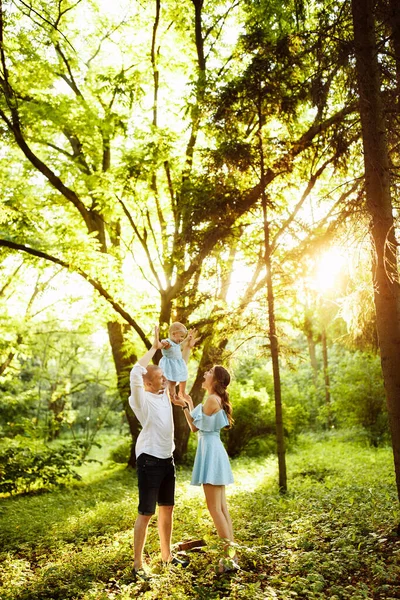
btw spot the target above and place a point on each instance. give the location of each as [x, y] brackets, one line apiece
[23, 468]
[254, 420]
[134, 168]
[121, 453]
[57, 377]
[330, 537]
[356, 390]
[254, 406]
[359, 395]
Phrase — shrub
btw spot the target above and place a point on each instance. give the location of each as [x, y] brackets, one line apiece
[121, 453]
[359, 396]
[23, 467]
[253, 412]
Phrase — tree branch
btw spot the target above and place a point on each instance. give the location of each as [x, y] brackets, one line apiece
[52, 25]
[141, 239]
[94, 283]
[310, 185]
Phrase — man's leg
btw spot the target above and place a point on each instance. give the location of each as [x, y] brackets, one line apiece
[148, 482]
[140, 534]
[165, 518]
[166, 499]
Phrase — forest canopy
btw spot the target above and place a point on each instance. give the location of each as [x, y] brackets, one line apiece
[200, 162]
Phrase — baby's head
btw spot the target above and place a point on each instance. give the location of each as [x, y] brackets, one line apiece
[177, 332]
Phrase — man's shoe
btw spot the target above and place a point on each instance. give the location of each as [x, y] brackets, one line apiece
[140, 575]
[176, 562]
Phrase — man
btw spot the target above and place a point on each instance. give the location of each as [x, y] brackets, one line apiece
[154, 447]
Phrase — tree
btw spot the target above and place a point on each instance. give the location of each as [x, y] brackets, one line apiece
[271, 93]
[113, 193]
[379, 206]
[132, 191]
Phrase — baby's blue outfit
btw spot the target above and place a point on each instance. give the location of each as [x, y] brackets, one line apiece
[211, 464]
[172, 363]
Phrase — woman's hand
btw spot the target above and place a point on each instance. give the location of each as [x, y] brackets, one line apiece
[187, 401]
[179, 401]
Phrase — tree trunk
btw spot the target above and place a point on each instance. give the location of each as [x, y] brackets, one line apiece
[280, 439]
[123, 365]
[211, 355]
[273, 339]
[182, 433]
[308, 330]
[379, 205]
[327, 383]
[394, 21]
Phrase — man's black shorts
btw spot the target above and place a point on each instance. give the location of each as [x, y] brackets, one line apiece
[156, 481]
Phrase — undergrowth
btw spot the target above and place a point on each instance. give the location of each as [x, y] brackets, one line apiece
[331, 536]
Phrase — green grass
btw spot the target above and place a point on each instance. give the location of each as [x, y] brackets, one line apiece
[330, 537]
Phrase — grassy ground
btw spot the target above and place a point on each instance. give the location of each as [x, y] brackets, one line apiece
[330, 537]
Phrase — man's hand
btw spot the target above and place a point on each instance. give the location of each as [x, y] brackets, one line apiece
[165, 344]
[157, 345]
[178, 401]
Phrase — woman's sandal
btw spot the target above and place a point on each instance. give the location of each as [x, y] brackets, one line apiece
[228, 565]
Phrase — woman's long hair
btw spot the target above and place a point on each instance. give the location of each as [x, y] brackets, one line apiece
[221, 380]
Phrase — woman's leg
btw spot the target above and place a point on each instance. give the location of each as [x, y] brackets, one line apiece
[229, 521]
[214, 498]
[216, 504]
[226, 513]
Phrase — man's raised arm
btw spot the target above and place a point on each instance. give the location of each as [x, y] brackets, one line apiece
[157, 345]
[136, 399]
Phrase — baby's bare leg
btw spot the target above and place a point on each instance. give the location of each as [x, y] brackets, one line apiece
[172, 389]
[182, 390]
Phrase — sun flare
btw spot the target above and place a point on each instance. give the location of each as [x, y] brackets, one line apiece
[329, 266]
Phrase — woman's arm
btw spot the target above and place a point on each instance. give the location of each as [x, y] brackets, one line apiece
[187, 407]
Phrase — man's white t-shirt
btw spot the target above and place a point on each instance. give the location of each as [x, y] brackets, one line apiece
[154, 412]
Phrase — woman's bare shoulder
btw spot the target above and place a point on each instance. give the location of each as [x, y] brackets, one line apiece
[212, 404]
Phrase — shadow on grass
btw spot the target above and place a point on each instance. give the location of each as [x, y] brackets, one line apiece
[69, 514]
[73, 514]
[325, 538]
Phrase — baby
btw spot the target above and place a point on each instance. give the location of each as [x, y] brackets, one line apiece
[172, 363]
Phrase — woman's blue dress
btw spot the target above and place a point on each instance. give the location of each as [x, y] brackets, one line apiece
[172, 364]
[211, 464]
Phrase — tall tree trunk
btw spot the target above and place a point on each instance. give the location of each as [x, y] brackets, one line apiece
[182, 433]
[327, 383]
[280, 439]
[308, 330]
[123, 365]
[394, 21]
[273, 338]
[211, 355]
[379, 205]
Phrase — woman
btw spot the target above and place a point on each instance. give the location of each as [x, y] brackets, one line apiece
[211, 466]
